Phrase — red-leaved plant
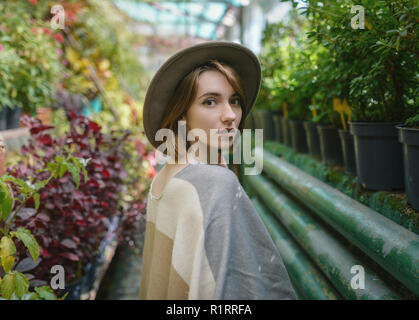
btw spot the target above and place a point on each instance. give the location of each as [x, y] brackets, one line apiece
[71, 222]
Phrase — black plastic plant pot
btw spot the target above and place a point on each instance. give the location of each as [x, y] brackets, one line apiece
[3, 118]
[278, 130]
[348, 150]
[378, 155]
[330, 146]
[409, 137]
[298, 136]
[312, 137]
[286, 131]
[12, 117]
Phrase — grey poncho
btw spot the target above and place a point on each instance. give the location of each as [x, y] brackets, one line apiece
[205, 240]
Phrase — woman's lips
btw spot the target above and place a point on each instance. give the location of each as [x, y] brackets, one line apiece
[227, 131]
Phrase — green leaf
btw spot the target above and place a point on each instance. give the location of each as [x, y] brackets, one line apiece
[7, 263]
[29, 241]
[19, 182]
[36, 198]
[7, 247]
[6, 200]
[64, 296]
[45, 293]
[7, 285]
[62, 170]
[30, 296]
[22, 284]
[74, 172]
[52, 167]
[14, 285]
[81, 163]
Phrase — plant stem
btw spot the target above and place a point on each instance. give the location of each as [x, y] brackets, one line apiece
[12, 217]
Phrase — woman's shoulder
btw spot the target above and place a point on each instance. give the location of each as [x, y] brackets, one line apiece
[203, 180]
[208, 175]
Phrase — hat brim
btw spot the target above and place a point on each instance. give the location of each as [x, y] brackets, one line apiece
[164, 82]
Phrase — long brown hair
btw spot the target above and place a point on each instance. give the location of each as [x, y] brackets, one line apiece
[185, 93]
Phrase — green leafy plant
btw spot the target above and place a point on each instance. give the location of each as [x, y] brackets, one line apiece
[14, 284]
[375, 68]
[32, 68]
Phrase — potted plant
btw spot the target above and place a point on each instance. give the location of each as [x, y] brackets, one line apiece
[347, 141]
[303, 88]
[276, 91]
[37, 65]
[380, 61]
[10, 64]
[326, 119]
[409, 137]
[312, 135]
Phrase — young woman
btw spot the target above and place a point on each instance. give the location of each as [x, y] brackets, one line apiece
[204, 239]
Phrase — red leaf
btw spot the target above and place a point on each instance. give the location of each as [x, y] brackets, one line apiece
[106, 173]
[81, 222]
[45, 139]
[59, 37]
[39, 128]
[94, 126]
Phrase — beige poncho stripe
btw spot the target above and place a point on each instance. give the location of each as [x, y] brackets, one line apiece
[205, 240]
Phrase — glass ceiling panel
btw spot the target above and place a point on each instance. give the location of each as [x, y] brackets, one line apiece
[202, 17]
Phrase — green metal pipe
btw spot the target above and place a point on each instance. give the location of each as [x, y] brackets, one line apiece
[393, 247]
[308, 281]
[330, 255]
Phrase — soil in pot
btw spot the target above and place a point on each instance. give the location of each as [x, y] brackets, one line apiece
[348, 150]
[378, 155]
[409, 137]
[13, 116]
[312, 137]
[330, 146]
[298, 136]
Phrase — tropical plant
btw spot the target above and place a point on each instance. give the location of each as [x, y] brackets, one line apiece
[13, 283]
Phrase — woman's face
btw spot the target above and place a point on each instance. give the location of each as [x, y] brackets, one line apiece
[216, 106]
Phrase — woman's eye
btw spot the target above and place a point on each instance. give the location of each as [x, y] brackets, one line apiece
[236, 101]
[210, 102]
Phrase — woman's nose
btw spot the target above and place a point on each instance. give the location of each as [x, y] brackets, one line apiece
[228, 113]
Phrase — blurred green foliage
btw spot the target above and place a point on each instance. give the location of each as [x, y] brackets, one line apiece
[29, 61]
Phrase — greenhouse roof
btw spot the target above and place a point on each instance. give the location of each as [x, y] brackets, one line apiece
[194, 18]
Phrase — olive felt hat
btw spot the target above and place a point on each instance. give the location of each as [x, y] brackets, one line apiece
[167, 77]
